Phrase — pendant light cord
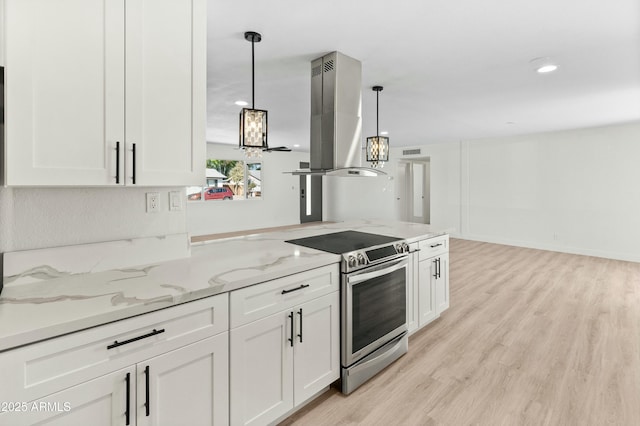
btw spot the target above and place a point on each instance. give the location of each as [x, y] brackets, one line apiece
[253, 76]
[377, 123]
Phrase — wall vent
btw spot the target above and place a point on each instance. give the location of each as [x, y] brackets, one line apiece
[328, 66]
[411, 151]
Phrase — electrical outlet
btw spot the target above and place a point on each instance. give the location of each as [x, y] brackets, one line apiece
[153, 202]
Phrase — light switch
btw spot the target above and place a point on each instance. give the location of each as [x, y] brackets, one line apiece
[175, 200]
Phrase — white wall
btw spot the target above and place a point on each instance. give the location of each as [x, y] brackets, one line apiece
[346, 198]
[278, 206]
[573, 191]
[33, 218]
[375, 198]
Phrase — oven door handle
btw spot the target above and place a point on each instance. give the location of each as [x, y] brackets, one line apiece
[376, 271]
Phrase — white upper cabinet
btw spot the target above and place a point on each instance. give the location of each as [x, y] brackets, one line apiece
[84, 86]
[166, 91]
[64, 89]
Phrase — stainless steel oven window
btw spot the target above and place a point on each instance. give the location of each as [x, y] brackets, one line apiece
[375, 308]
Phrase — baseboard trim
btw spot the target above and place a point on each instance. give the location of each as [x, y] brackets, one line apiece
[628, 257]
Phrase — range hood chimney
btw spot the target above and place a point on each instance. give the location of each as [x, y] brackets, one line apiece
[336, 118]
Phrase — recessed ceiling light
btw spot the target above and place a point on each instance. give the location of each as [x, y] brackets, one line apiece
[547, 68]
[543, 65]
[510, 122]
[241, 103]
[296, 146]
[384, 133]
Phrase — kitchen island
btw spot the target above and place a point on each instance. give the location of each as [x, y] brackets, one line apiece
[95, 317]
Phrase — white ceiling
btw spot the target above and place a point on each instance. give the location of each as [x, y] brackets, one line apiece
[451, 69]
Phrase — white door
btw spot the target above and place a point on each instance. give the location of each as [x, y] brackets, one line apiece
[442, 284]
[403, 190]
[261, 369]
[98, 402]
[420, 194]
[188, 386]
[427, 291]
[64, 91]
[317, 346]
[166, 92]
[413, 191]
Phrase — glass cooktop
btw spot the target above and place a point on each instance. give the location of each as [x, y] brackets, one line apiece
[343, 242]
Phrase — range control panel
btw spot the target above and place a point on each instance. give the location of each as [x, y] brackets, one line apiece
[363, 258]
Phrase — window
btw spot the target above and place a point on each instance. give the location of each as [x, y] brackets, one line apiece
[229, 180]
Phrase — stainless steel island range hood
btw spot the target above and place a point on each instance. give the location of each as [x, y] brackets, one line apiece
[336, 118]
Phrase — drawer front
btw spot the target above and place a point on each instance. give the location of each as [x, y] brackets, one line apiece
[258, 301]
[37, 370]
[433, 247]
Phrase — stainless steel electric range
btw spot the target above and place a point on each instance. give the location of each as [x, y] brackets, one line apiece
[374, 276]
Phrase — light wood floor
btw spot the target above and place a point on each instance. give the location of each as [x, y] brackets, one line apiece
[532, 338]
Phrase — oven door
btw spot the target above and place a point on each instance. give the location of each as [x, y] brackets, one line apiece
[374, 308]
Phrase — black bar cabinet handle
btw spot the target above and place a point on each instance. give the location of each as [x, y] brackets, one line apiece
[439, 267]
[128, 411]
[146, 391]
[435, 266]
[118, 165]
[295, 289]
[435, 245]
[115, 343]
[133, 178]
[300, 335]
[291, 338]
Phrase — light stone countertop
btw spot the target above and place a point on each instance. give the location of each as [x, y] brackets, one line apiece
[41, 310]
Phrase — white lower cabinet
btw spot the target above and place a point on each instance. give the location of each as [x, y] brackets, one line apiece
[413, 286]
[442, 284]
[164, 368]
[428, 293]
[317, 348]
[99, 402]
[280, 361]
[188, 386]
[261, 371]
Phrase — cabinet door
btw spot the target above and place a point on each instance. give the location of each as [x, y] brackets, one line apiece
[442, 284]
[64, 91]
[413, 298]
[99, 402]
[261, 370]
[317, 346]
[188, 386]
[166, 91]
[427, 291]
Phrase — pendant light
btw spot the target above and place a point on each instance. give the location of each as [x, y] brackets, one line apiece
[253, 122]
[377, 146]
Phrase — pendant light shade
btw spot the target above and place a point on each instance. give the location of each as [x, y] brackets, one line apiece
[377, 146]
[253, 129]
[253, 122]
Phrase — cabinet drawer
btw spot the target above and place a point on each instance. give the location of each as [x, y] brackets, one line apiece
[40, 369]
[433, 247]
[258, 301]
